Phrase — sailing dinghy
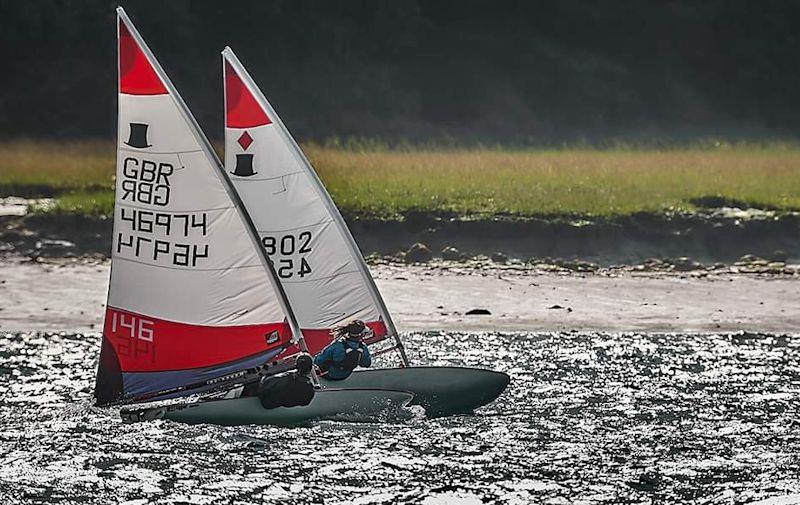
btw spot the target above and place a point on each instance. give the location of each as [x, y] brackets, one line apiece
[316, 259]
[194, 303]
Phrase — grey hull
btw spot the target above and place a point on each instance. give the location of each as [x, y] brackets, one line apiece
[440, 390]
[345, 404]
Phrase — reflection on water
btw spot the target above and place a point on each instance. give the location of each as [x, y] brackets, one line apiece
[587, 418]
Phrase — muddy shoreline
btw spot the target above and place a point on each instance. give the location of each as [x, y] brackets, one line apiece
[714, 236]
[718, 236]
[69, 295]
[723, 272]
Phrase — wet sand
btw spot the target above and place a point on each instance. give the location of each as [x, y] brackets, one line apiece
[66, 295]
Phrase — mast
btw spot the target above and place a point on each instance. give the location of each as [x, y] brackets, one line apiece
[277, 288]
[324, 196]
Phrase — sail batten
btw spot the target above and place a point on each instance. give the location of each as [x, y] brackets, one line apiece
[318, 261]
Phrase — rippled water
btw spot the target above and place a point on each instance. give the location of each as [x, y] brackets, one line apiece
[588, 418]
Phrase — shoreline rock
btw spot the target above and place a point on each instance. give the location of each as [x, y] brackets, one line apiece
[418, 253]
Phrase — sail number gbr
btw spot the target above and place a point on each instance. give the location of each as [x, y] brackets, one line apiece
[289, 245]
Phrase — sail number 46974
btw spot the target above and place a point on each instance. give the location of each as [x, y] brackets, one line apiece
[288, 245]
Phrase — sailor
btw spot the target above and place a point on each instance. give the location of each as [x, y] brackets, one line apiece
[338, 360]
[288, 389]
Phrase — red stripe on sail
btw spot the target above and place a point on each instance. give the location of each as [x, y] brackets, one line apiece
[148, 344]
[317, 340]
[136, 75]
[242, 109]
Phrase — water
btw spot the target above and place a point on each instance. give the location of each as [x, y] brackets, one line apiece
[588, 418]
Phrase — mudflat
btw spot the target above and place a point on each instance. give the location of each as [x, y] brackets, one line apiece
[70, 295]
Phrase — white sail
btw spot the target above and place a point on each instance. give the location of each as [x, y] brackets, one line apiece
[190, 295]
[316, 258]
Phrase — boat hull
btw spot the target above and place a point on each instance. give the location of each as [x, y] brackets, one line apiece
[345, 404]
[440, 390]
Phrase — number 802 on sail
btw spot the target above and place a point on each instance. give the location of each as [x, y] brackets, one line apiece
[288, 245]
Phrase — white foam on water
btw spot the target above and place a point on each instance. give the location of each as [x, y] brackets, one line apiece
[789, 499]
[627, 428]
[452, 498]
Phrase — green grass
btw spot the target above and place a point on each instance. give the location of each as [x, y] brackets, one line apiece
[373, 180]
[574, 182]
[88, 203]
[45, 168]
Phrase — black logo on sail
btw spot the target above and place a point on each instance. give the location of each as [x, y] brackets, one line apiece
[244, 162]
[138, 136]
[244, 165]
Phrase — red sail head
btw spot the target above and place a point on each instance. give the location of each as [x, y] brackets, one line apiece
[136, 75]
[242, 109]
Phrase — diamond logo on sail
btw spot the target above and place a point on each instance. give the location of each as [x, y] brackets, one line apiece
[245, 140]
[138, 136]
[244, 162]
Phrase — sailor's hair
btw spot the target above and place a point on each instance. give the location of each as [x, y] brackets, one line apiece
[302, 363]
[353, 328]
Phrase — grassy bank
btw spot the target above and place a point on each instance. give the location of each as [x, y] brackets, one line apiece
[384, 182]
[79, 173]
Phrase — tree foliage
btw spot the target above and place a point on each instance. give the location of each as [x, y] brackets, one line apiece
[514, 71]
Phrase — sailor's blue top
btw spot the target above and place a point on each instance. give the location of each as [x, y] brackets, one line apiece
[336, 352]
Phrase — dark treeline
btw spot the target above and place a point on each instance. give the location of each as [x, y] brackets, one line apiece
[421, 70]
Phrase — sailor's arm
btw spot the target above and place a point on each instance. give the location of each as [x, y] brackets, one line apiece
[366, 358]
[338, 352]
[323, 356]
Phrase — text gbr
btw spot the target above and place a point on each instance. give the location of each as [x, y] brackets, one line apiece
[149, 234]
[146, 181]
